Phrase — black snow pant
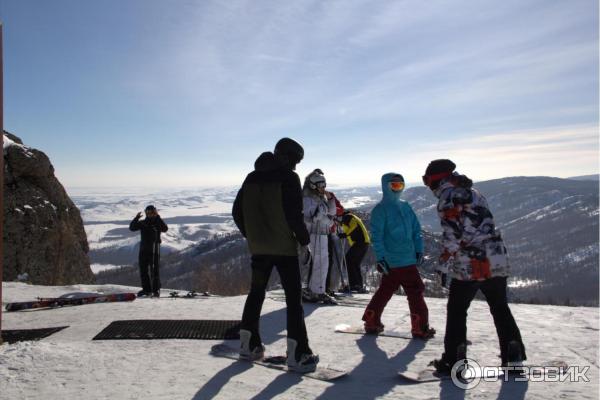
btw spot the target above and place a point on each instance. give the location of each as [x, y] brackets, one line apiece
[149, 259]
[459, 299]
[289, 274]
[354, 257]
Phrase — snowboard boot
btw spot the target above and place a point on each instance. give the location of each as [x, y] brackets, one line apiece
[373, 324]
[302, 362]
[514, 358]
[308, 296]
[156, 294]
[420, 330]
[326, 299]
[359, 289]
[247, 351]
[142, 293]
[442, 365]
[445, 364]
[425, 333]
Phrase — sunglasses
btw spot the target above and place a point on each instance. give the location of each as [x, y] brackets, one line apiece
[396, 186]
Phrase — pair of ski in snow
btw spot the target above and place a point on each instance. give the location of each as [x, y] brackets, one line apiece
[189, 295]
[54, 302]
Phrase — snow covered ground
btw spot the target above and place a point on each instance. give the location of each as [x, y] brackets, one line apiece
[69, 365]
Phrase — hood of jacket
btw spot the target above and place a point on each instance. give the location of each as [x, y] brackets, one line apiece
[388, 194]
[455, 180]
[266, 162]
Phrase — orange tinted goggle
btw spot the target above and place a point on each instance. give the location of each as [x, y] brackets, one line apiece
[397, 186]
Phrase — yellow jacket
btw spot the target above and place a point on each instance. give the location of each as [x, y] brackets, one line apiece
[354, 229]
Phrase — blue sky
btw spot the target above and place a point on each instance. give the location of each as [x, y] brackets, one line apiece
[183, 93]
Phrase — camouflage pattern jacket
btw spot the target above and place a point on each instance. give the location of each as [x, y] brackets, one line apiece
[472, 246]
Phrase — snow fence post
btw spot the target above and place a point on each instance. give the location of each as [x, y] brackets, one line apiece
[1, 175]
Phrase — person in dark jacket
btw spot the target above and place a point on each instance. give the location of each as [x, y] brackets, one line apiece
[475, 258]
[149, 258]
[268, 212]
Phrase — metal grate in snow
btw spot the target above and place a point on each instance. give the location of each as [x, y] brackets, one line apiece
[23, 335]
[171, 329]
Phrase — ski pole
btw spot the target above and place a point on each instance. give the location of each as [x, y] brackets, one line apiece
[344, 263]
[340, 260]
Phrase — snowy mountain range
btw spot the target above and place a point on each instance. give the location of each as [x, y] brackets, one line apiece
[550, 226]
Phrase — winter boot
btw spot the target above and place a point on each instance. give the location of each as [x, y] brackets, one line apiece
[247, 353]
[420, 330]
[303, 362]
[373, 324]
[142, 293]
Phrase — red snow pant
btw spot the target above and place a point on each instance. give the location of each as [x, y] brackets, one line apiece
[410, 280]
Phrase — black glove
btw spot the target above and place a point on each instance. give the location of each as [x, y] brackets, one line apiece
[383, 267]
[419, 258]
[441, 278]
[342, 235]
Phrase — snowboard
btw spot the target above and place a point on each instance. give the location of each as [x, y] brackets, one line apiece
[360, 330]
[277, 362]
[341, 301]
[65, 301]
[429, 374]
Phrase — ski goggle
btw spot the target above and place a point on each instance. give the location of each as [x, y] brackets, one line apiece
[429, 179]
[321, 185]
[396, 186]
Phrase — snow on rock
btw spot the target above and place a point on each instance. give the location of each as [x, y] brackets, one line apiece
[69, 365]
[96, 268]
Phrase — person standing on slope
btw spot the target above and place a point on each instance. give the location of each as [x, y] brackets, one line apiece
[319, 210]
[398, 245]
[268, 212]
[475, 257]
[149, 257]
[354, 231]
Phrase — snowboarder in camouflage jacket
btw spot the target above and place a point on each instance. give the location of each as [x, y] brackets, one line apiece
[475, 257]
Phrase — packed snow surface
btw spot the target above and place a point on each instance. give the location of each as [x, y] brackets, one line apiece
[69, 365]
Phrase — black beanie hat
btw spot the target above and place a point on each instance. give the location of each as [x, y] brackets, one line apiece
[440, 166]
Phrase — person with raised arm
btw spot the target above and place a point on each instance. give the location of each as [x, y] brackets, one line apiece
[149, 256]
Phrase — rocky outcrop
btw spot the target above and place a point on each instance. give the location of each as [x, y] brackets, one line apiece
[43, 230]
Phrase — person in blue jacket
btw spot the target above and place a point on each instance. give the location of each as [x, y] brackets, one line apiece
[396, 239]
